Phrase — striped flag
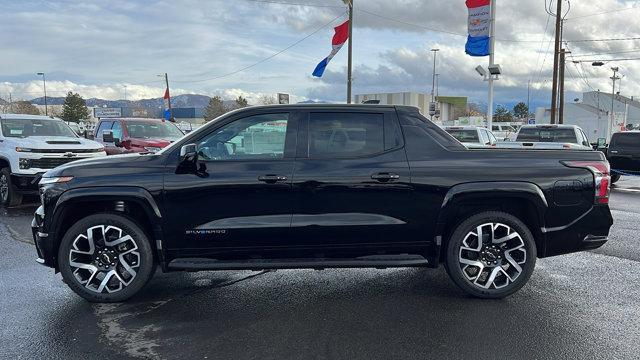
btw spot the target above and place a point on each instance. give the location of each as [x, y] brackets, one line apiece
[479, 27]
[167, 112]
[339, 38]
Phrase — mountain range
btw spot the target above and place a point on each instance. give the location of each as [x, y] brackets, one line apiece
[178, 101]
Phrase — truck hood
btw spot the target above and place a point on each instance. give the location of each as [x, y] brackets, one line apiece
[108, 167]
[55, 143]
[159, 143]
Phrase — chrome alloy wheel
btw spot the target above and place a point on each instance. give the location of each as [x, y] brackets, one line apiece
[492, 255]
[4, 187]
[104, 259]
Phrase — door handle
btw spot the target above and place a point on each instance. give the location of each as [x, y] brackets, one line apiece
[272, 179]
[383, 177]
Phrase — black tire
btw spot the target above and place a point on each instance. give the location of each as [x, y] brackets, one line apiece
[454, 254]
[615, 178]
[8, 195]
[145, 262]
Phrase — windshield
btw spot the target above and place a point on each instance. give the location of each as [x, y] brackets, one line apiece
[465, 135]
[24, 128]
[153, 130]
[547, 135]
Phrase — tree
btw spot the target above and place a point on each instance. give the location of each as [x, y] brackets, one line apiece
[521, 110]
[241, 102]
[267, 100]
[24, 107]
[74, 108]
[502, 114]
[214, 109]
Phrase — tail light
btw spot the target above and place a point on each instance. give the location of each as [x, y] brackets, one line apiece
[601, 176]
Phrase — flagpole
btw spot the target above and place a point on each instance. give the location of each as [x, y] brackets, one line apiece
[350, 63]
[492, 42]
[166, 79]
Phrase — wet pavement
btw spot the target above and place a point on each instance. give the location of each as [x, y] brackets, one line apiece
[584, 305]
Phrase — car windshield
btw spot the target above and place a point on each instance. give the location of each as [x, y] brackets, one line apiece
[153, 130]
[547, 135]
[631, 140]
[464, 135]
[27, 127]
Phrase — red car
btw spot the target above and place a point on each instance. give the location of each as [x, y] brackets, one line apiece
[129, 135]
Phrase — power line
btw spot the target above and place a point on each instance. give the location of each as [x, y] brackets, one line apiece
[608, 53]
[265, 59]
[610, 39]
[295, 4]
[603, 12]
[607, 60]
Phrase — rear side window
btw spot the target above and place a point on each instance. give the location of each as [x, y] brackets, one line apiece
[626, 140]
[470, 136]
[345, 134]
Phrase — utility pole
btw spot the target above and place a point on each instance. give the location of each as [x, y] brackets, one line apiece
[432, 106]
[492, 48]
[350, 61]
[125, 92]
[528, 99]
[556, 59]
[613, 95]
[563, 52]
[44, 83]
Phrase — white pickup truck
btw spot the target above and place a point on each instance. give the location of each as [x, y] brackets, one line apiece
[549, 137]
[29, 146]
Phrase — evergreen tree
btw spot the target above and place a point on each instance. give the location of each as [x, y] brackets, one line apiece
[521, 110]
[214, 109]
[502, 114]
[241, 102]
[74, 108]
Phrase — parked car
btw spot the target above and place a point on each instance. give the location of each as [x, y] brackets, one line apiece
[133, 135]
[472, 137]
[549, 137]
[319, 186]
[624, 154]
[503, 132]
[29, 146]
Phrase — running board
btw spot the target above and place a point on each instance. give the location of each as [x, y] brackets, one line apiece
[377, 261]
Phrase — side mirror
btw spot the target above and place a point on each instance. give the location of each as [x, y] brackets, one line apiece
[117, 142]
[602, 142]
[188, 152]
[107, 136]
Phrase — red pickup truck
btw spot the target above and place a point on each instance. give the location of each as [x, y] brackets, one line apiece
[133, 135]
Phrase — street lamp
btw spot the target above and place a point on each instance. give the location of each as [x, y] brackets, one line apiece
[44, 83]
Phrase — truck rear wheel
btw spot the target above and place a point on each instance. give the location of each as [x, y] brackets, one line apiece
[491, 255]
[8, 194]
[615, 178]
[105, 258]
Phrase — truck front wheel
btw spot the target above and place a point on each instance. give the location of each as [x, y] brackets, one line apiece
[105, 258]
[8, 195]
[491, 255]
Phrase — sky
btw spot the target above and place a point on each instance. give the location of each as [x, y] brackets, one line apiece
[101, 48]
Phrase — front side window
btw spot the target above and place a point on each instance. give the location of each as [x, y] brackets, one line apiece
[345, 134]
[22, 128]
[260, 137]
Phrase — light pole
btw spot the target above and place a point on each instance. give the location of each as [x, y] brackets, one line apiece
[44, 85]
[432, 106]
[613, 96]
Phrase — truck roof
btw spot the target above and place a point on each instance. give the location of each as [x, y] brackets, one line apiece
[27, 117]
[549, 126]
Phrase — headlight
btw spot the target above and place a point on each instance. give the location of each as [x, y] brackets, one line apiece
[21, 149]
[55, 180]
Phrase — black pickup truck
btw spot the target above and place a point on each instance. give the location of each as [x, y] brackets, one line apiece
[319, 186]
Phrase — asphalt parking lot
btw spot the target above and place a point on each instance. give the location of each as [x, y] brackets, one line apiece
[584, 305]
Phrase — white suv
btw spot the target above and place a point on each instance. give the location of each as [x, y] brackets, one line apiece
[29, 146]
